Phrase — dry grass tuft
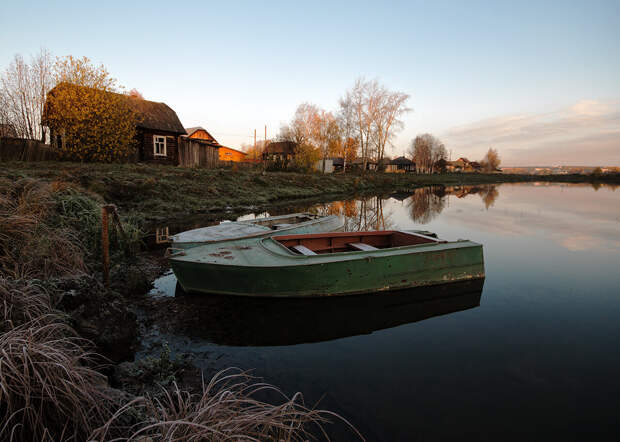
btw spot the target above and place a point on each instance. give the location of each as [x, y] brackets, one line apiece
[30, 246]
[53, 230]
[226, 410]
[21, 302]
[47, 391]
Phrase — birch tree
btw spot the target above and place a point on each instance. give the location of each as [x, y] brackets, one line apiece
[346, 121]
[23, 89]
[376, 113]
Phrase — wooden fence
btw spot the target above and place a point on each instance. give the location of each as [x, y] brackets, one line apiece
[194, 152]
[19, 149]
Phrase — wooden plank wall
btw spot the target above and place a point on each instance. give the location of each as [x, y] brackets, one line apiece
[19, 149]
[194, 153]
[145, 140]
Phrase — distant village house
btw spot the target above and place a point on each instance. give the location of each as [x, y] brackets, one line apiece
[463, 165]
[400, 165]
[225, 153]
[280, 151]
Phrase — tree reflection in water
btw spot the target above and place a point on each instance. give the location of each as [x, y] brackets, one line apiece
[427, 202]
[424, 204]
[360, 214]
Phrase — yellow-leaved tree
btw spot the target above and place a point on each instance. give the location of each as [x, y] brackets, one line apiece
[94, 120]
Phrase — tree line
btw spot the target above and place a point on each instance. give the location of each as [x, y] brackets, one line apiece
[98, 125]
[430, 155]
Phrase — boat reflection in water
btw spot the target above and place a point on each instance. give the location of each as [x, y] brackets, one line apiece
[241, 321]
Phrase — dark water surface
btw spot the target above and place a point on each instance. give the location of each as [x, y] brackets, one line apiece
[533, 355]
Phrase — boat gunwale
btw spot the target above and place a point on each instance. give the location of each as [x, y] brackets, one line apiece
[453, 245]
[290, 253]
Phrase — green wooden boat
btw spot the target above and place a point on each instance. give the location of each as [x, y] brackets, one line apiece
[325, 264]
[258, 227]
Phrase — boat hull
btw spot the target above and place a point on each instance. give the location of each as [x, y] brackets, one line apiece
[351, 274]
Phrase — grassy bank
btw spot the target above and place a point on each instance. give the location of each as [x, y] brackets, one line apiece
[61, 331]
[157, 192]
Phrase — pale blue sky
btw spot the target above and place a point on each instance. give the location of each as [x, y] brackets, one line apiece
[472, 68]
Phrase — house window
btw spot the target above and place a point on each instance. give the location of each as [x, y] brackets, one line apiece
[159, 146]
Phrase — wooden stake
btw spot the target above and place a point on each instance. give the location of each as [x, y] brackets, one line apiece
[105, 246]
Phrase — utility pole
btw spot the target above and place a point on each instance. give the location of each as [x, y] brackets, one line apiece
[265, 145]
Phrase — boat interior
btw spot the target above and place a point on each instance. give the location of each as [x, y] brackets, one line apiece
[276, 223]
[321, 243]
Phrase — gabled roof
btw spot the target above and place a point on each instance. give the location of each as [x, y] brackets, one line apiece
[153, 115]
[191, 130]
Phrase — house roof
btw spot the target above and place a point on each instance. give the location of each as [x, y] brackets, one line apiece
[153, 115]
[401, 161]
[236, 150]
[191, 130]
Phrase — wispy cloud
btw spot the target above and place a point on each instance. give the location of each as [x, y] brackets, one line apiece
[586, 133]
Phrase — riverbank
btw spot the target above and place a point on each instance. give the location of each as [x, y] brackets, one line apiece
[68, 341]
[153, 193]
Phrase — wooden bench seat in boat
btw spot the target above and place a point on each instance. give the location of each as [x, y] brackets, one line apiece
[361, 246]
[303, 250]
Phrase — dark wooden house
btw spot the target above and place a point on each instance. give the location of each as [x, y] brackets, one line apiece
[400, 164]
[158, 129]
[282, 151]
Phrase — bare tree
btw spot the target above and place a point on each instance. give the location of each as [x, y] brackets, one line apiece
[376, 113]
[426, 151]
[491, 161]
[420, 151]
[390, 107]
[23, 88]
[347, 124]
[302, 131]
[438, 153]
[362, 111]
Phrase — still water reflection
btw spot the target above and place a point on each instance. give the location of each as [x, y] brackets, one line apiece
[534, 356]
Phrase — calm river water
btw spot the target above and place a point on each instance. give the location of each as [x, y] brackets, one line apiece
[533, 355]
